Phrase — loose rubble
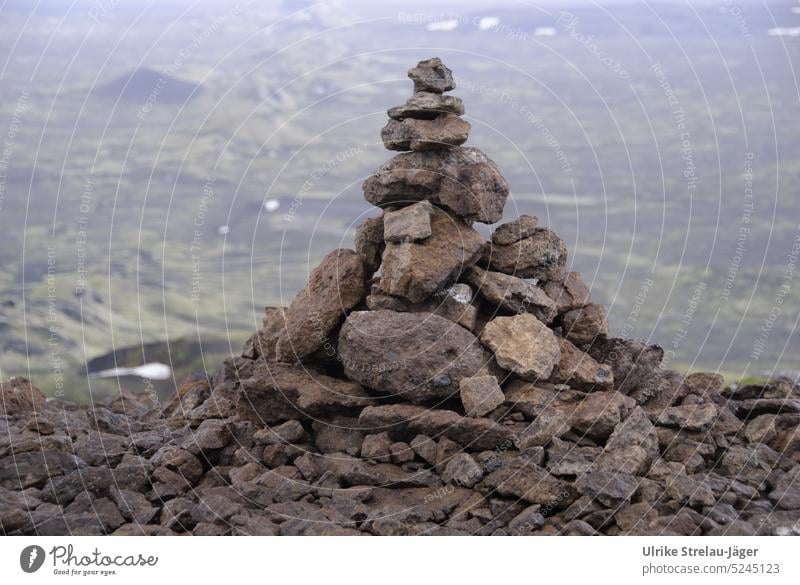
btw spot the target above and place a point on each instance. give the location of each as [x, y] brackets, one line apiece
[428, 382]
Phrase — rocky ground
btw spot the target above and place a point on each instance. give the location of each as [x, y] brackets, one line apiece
[427, 382]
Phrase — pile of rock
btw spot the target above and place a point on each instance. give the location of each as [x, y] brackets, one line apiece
[427, 382]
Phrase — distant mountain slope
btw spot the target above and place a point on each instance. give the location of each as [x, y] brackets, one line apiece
[142, 85]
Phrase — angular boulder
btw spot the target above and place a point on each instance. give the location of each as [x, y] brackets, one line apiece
[511, 293]
[542, 255]
[475, 434]
[519, 478]
[369, 243]
[568, 294]
[334, 287]
[582, 326]
[426, 105]
[431, 75]
[464, 180]
[480, 395]
[277, 393]
[690, 417]
[19, 396]
[408, 224]
[522, 344]
[632, 361]
[580, 370]
[416, 270]
[417, 356]
[514, 231]
[599, 414]
[443, 131]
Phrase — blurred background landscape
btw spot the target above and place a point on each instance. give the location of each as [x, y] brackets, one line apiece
[167, 169]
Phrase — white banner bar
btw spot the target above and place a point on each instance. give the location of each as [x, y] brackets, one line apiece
[400, 560]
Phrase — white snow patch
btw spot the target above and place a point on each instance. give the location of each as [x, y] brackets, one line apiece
[152, 371]
[784, 31]
[443, 25]
[488, 22]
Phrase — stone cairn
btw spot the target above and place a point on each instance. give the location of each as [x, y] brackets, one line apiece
[427, 382]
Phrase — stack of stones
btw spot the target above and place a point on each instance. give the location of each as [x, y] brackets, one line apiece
[427, 382]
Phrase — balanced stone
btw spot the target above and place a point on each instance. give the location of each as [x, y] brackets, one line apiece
[511, 293]
[443, 131]
[432, 75]
[416, 356]
[542, 255]
[427, 105]
[514, 231]
[408, 224]
[464, 180]
[416, 270]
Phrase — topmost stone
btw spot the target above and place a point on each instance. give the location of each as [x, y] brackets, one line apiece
[432, 75]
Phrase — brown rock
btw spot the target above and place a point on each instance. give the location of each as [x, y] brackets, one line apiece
[443, 131]
[19, 396]
[369, 244]
[334, 287]
[757, 406]
[426, 105]
[408, 224]
[472, 433]
[542, 255]
[211, 434]
[416, 270]
[564, 458]
[568, 294]
[632, 447]
[514, 231]
[464, 180]
[582, 326]
[691, 417]
[550, 423]
[600, 412]
[278, 392]
[431, 75]
[704, 384]
[401, 452]
[480, 395]
[385, 302]
[377, 447]
[519, 478]
[761, 429]
[350, 471]
[610, 488]
[522, 344]
[340, 434]
[289, 432]
[580, 370]
[419, 356]
[531, 399]
[425, 447]
[632, 362]
[462, 470]
[455, 303]
[511, 293]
